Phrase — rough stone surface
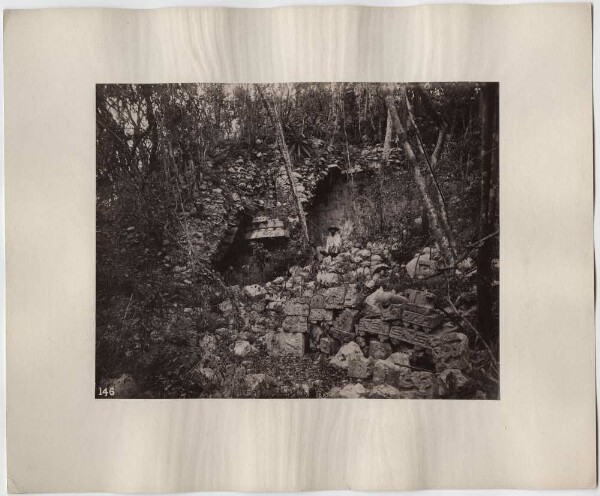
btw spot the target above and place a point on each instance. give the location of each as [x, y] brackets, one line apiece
[320, 315]
[359, 367]
[328, 278]
[343, 326]
[204, 376]
[349, 391]
[316, 333]
[422, 265]
[124, 386]
[384, 391]
[244, 348]
[296, 306]
[451, 381]
[226, 307]
[385, 372]
[295, 323]
[379, 351]
[208, 342]
[411, 336]
[334, 297]
[255, 291]
[427, 322]
[254, 381]
[391, 312]
[353, 296]
[275, 306]
[373, 326]
[423, 382]
[400, 358]
[450, 351]
[286, 344]
[344, 354]
[317, 301]
[329, 346]
[373, 298]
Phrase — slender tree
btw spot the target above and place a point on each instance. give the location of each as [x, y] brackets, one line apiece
[488, 101]
[431, 161]
[431, 210]
[388, 140]
[287, 160]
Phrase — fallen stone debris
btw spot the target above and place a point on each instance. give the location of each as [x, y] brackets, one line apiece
[384, 344]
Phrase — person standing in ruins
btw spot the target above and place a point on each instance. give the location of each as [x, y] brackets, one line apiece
[334, 242]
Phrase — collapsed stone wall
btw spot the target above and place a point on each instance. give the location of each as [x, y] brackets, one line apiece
[394, 345]
[363, 204]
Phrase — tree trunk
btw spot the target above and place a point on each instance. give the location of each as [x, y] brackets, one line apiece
[388, 140]
[432, 214]
[432, 162]
[484, 257]
[152, 126]
[287, 160]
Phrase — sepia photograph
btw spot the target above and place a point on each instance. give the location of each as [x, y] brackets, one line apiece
[297, 240]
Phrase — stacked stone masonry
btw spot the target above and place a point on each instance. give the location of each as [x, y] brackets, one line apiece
[326, 311]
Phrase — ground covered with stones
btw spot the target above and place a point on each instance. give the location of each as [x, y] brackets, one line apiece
[336, 328]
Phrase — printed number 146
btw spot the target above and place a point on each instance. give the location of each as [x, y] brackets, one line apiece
[106, 392]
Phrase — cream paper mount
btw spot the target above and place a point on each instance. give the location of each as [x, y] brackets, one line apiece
[540, 434]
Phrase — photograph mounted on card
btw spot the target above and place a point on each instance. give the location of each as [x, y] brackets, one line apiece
[302, 240]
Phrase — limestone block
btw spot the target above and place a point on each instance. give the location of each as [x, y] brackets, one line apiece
[450, 351]
[334, 297]
[386, 372]
[384, 391]
[320, 315]
[226, 307]
[295, 323]
[244, 348]
[343, 326]
[255, 291]
[329, 346]
[328, 278]
[345, 353]
[349, 391]
[410, 336]
[418, 320]
[296, 306]
[318, 301]
[391, 312]
[359, 367]
[353, 296]
[379, 350]
[373, 326]
[286, 344]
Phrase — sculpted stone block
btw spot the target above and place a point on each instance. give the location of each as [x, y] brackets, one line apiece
[450, 351]
[379, 350]
[296, 306]
[295, 323]
[286, 344]
[329, 346]
[410, 336]
[373, 326]
[391, 312]
[428, 322]
[334, 297]
[358, 367]
[353, 296]
[320, 315]
[343, 326]
[317, 301]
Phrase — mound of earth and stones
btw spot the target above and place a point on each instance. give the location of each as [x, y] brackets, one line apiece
[330, 330]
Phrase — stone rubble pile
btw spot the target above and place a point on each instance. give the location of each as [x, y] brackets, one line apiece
[394, 345]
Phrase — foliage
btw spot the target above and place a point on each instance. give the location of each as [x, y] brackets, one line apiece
[179, 164]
